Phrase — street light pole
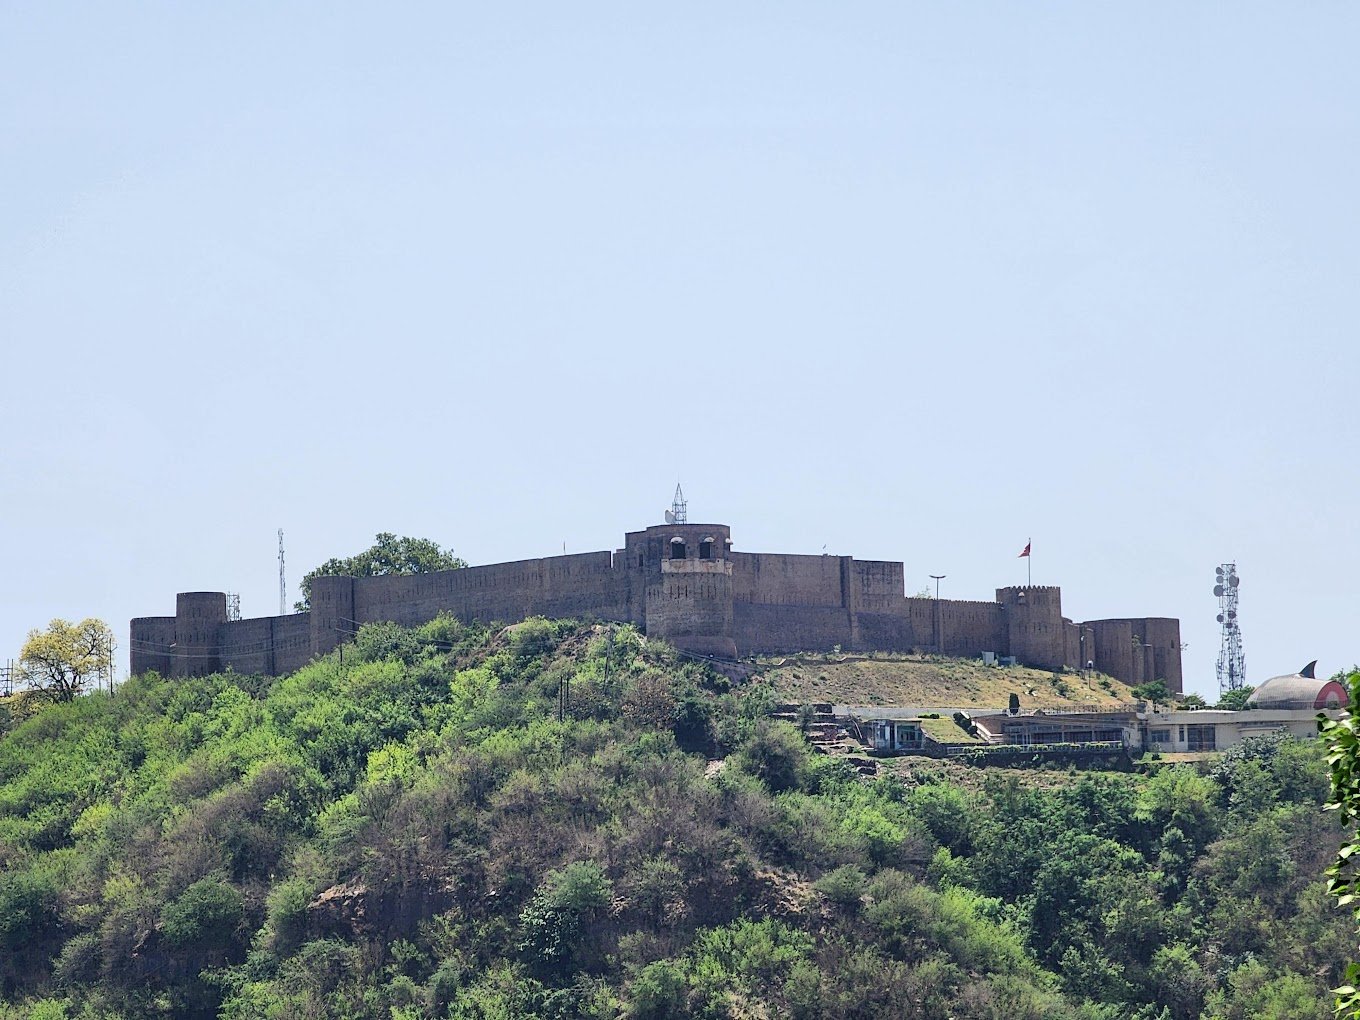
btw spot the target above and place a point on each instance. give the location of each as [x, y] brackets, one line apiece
[939, 629]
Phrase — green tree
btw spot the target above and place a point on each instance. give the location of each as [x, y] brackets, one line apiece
[1343, 743]
[209, 912]
[1182, 798]
[776, 754]
[388, 555]
[1154, 691]
[550, 925]
[64, 659]
[1235, 701]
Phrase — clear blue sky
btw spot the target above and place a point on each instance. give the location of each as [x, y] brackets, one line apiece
[910, 281]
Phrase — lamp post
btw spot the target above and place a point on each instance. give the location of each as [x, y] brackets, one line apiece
[939, 629]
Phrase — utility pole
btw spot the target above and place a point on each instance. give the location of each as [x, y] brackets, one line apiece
[110, 648]
[283, 580]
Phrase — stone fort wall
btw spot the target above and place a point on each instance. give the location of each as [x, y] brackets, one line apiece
[682, 583]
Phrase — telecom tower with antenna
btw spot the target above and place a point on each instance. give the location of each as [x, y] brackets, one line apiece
[1232, 664]
[679, 511]
[283, 580]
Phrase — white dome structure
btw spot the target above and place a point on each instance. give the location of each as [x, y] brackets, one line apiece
[1299, 690]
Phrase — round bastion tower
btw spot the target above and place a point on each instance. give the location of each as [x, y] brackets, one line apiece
[199, 616]
[689, 586]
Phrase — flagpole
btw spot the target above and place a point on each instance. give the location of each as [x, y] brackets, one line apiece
[1029, 564]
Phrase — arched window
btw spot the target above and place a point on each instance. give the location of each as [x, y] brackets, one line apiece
[677, 548]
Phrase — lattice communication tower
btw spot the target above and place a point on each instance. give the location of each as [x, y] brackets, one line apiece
[1232, 664]
[679, 511]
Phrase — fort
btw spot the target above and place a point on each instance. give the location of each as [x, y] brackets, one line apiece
[682, 583]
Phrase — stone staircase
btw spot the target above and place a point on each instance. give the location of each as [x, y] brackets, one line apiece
[826, 735]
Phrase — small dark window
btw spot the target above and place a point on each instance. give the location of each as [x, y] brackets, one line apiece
[677, 550]
[640, 563]
[705, 550]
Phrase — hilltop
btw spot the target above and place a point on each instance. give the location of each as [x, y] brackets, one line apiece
[561, 820]
[933, 681]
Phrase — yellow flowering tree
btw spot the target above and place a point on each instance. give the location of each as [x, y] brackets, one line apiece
[64, 659]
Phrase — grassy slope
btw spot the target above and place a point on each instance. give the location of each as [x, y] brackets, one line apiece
[932, 681]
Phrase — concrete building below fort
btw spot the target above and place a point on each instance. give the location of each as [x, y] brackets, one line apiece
[683, 583]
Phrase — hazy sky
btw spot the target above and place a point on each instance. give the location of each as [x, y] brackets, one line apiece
[907, 281]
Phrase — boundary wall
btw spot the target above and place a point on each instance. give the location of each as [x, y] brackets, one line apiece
[682, 583]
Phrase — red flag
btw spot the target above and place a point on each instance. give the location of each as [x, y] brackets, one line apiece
[1026, 552]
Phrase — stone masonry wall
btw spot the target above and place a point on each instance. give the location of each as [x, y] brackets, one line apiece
[684, 584]
[151, 641]
[788, 580]
[761, 628]
[969, 628]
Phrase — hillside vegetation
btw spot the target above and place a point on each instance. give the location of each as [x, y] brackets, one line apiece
[413, 833]
[933, 681]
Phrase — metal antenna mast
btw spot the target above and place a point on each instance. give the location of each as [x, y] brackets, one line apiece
[1232, 664]
[283, 580]
[679, 511]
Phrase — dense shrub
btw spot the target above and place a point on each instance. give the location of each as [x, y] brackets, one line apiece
[413, 832]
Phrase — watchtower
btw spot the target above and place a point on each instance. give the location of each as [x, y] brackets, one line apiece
[1033, 622]
[685, 578]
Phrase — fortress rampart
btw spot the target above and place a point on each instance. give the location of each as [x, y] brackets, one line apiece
[682, 583]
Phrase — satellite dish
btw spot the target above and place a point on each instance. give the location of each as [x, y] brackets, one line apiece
[1220, 617]
[1218, 571]
[1218, 589]
[670, 517]
[1232, 581]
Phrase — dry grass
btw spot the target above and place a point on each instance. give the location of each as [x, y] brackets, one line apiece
[932, 681]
